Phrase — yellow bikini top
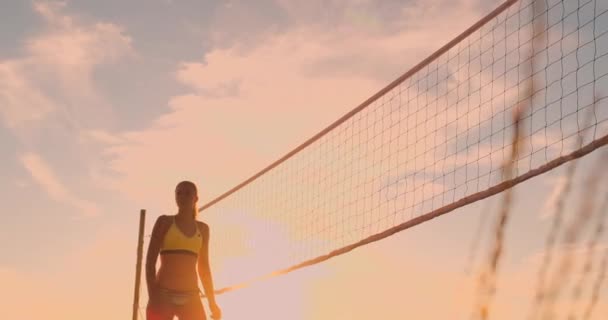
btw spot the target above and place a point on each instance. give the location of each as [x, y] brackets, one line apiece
[176, 241]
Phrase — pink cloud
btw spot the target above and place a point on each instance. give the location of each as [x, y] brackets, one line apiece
[48, 180]
[22, 104]
[69, 49]
[276, 91]
[102, 136]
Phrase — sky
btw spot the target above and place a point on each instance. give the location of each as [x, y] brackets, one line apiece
[105, 106]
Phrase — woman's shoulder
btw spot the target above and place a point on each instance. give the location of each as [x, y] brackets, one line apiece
[164, 220]
[202, 224]
[161, 225]
[164, 217]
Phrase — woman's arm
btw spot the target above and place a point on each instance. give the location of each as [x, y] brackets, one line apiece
[204, 269]
[152, 255]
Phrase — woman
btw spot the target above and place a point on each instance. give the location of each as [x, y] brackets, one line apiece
[183, 245]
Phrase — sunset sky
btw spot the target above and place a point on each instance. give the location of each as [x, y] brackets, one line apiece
[106, 105]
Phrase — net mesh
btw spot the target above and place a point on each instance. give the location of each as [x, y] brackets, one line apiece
[439, 135]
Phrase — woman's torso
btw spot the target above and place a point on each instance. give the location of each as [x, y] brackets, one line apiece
[179, 256]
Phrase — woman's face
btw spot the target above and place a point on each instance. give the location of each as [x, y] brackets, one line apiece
[185, 196]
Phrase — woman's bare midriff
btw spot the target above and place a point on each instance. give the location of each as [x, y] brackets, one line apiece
[178, 272]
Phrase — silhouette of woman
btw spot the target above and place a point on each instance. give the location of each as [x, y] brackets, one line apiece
[183, 246]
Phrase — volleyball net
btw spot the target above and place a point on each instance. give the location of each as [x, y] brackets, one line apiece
[433, 140]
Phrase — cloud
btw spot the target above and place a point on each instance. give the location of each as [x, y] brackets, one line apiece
[367, 16]
[74, 45]
[22, 104]
[50, 94]
[102, 136]
[46, 178]
[55, 75]
[305, 76]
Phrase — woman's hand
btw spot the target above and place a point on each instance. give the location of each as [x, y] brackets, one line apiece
[153, 293]
[216, 312]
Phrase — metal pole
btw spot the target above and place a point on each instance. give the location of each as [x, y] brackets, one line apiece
[140, 249]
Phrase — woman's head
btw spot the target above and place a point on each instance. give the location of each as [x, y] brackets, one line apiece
[186, 195]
